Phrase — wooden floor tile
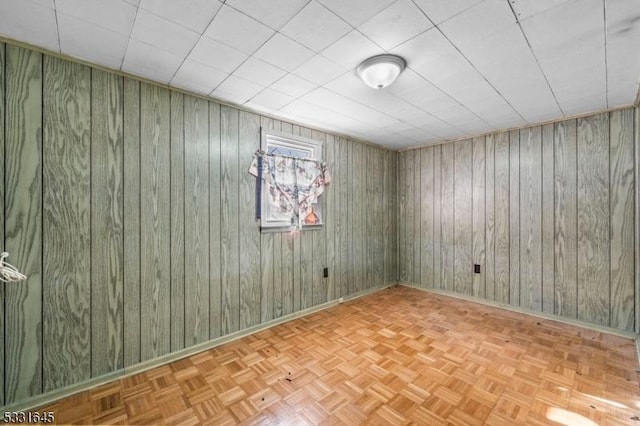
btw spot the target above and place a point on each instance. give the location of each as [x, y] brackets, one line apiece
[399, 356]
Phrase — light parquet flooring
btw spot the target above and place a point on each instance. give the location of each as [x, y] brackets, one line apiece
[398, 356]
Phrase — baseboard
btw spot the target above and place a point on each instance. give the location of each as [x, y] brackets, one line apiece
[50, 397]
[544, 315]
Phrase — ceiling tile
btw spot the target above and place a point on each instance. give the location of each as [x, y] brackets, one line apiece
[293, 85]
[623, 36]
[148, 61]
[283, 52]
[315, 27]
[432, 56]
[439, 11]
[396, 24]
[351, 50]
[29, 22]
[568, 40]
[163, 34]
[343, 105]
[217, 55]
[197, 77]
[195, 15]
[259, 72]
[271, 99]
[236, 90]
[237, 30]
[273, 13]
[91, 42]
[115, 15]
[319, 70]
[355, 12]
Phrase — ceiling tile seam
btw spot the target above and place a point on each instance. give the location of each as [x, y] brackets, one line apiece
[299, 97]
[194, 45]
[450, 97]
[535, 57]
[55, 13]
[331, 12]
[481, 75]
[606, 62]
[375, 110]
[133, 23]
[178, 23]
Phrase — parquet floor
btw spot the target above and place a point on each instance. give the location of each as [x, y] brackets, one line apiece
[395, 357]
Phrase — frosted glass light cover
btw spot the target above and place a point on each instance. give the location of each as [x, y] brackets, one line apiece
[380, 71]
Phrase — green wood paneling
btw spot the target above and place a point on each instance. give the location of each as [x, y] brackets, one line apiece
[593, 219]
[23, 223]
[215, 232]
[463, 214]
[249, 233]
[479, 216]
[229, 221]
[155, 223]
[66, 224]
[177, 222]
[131, 233]
[196, 220]
[107, 258]
[2, 116]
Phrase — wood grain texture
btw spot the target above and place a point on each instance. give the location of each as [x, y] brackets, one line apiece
[426, 217]
[215, 167]
[229, 220]
[390, 217]
[342, 218]
[378, 210]
[479, 214]
[621, 190]
[403, 240]
[66, 225]
[437, 216]
[155, 224]
[23, 223]
[177, 222]
[358, 205]
[565, 213]
[463, 214]
[447, 217]
[306, 254]
[249, 135]
[548, 220]
[531, 218]
[514, 217]
[196, 221]
[271, 300]
[107, 257]
[593, 219]
[131, 224]
[288, 245]
[490, 217]
[416, 196]
[319, 239]
[393, 199]
[502, 227]
[2, 212]
[331, 197]
[410, 195]
[636, 154]
[349, 257]
[279, 290]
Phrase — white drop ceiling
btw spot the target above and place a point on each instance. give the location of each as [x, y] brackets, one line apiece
[474, 66]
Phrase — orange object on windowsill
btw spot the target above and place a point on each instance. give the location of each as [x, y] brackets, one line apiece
[312, 218]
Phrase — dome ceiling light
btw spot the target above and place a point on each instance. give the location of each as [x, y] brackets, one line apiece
[380, 71]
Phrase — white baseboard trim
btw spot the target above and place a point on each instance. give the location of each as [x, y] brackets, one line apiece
[50, 397]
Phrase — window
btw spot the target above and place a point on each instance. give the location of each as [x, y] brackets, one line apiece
[278, 143]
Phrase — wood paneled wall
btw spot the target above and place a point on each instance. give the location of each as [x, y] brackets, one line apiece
[547, 212]
[130, 208]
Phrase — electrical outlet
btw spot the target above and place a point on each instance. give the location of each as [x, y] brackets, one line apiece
[476, 268]
[325, 272]
[341, 300]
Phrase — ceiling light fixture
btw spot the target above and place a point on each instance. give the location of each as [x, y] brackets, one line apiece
[380, 71]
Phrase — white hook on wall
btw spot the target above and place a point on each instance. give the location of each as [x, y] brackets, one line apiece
[8, 272]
